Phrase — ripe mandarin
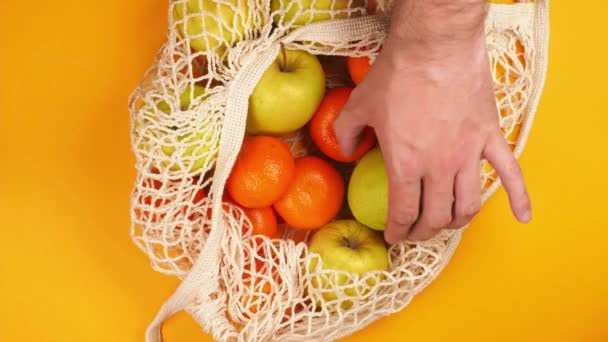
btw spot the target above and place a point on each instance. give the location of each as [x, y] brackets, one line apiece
[315, 195]
[261, 173]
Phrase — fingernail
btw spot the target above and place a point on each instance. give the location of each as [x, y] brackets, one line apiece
[390, 238]
[416, 237]
[526, 216]
[413, 238]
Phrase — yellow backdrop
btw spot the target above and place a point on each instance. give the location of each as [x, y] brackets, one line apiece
[69, 272]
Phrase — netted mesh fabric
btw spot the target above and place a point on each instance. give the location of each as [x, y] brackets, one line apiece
[188, 121]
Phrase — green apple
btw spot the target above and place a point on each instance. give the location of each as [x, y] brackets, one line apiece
[309, 11]
[368, 191]
[287, 95]
[212, 25]
[194, 149]
[184, 98]
[349, 246]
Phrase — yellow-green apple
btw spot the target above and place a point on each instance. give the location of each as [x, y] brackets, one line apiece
[349, 247]
[184, 98]
[287, 95]
[308, 11]
[368, 191]
[212, 25]
[193, 149]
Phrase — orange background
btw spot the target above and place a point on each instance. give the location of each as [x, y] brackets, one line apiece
[68, 269]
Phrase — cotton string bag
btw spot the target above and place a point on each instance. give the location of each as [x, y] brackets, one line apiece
[188, 118]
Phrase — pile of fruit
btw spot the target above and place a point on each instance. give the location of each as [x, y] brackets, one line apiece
[307, 192]
[290, 181]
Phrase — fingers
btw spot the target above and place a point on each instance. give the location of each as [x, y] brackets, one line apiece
[348, 129]
[403, 207]
[437, 201]
[498, 153]
[467, 193]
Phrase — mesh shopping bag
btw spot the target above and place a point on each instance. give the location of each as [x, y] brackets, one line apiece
[188, 119]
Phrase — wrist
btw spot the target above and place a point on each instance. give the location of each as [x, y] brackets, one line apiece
[430, 23]
[437, 34]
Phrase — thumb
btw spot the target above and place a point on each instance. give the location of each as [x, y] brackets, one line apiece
[348, 129]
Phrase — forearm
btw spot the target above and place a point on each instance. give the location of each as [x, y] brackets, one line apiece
[438, 20]
[433, 26]
[437, 32]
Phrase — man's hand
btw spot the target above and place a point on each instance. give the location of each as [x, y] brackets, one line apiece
[430, 98]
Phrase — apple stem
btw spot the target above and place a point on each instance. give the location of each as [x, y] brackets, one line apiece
[284, 64]
[350, 243]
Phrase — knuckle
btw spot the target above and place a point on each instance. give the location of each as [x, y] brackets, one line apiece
[455, 225]
[402, 176]
[471, 209]
[443, 162]
[513, 169]
[428, 233]
[410, 162]
[402, 183]
[489, 131]
[405, 217]
[442, 166]
[437, 182]
[406, 159]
